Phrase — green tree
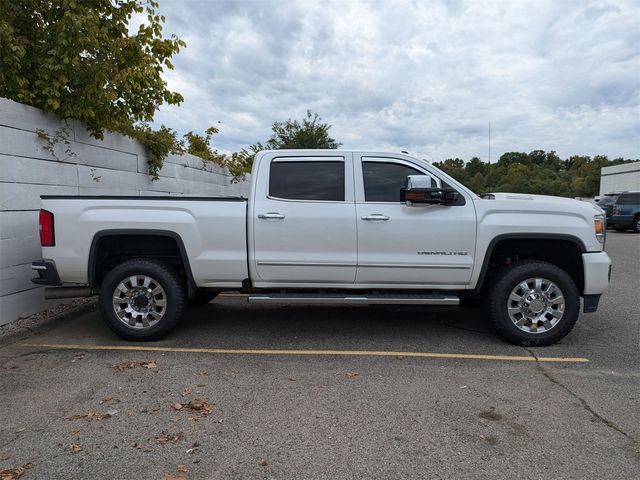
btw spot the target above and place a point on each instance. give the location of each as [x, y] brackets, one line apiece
[453, 167]
[310, 132]
[537, 172]
[77, 59]
[200, 146]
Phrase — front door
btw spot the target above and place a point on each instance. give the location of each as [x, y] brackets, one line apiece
[418, 245]
[304, 223]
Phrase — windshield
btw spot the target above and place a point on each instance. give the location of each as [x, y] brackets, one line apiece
[608, 200]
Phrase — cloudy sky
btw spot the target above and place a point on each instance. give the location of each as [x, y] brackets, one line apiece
[425, 76]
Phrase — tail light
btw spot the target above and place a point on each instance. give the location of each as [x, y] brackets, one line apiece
[47, 235]
[616, 209]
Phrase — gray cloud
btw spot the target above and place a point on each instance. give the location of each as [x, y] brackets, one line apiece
[413, 75]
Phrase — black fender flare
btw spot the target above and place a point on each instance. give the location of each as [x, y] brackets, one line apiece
[93, 251]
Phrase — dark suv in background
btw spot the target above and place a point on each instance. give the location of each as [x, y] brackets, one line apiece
[606, 203]
[626, 212]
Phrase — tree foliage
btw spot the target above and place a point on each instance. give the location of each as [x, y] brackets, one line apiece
[310, 132]
[537, 172]
[78, 59]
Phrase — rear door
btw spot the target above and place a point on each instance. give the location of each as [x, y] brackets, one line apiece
[417, 245]
[304, 223]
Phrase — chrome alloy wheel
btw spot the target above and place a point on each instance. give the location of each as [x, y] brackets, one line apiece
[139, 301]
[536, 305]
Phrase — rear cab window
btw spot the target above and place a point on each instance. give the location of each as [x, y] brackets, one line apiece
[322, 180]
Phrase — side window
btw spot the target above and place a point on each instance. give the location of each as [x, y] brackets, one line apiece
[307, 180]
[629, 198]
[383, 181]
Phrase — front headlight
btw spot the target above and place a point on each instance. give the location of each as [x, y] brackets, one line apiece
[600, 227]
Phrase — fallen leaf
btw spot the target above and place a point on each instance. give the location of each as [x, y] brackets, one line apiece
[185, 391]
[14, 473]
[169, 476]
[129, 364]
[263, 463]
[196, 404]
[75, 431]
[352, 375]
[202, 373]
[201, 385]
[182, 468]
[164, 438]
[78, 356]
[291, 379]
[75, 447]
[139, 446]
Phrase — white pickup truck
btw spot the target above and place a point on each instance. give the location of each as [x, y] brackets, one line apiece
[330, 226]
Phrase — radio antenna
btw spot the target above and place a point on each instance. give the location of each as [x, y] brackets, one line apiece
[489, 141]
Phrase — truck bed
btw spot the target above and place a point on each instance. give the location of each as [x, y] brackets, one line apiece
[211, 231]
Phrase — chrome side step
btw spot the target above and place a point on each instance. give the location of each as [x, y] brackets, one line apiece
[357, 299]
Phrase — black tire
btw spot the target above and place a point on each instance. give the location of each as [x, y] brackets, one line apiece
[202, 297]
[162, 274]
[636, 224]
[472, 300]
[509, 279]
[618, 228]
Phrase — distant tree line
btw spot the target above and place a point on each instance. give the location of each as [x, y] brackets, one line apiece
[536, 172]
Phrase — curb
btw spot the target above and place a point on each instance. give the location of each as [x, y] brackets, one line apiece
[46, 324]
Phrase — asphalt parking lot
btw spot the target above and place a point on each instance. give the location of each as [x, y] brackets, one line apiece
[352, 393]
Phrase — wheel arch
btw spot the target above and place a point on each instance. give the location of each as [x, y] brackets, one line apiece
[101, 236]
[536, 246]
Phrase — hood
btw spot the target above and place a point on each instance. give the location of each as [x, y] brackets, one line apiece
[528, 201]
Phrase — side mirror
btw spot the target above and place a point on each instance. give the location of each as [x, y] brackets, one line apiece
[420, 190]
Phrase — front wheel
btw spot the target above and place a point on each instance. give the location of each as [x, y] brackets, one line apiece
[142, 299]
[534, 303]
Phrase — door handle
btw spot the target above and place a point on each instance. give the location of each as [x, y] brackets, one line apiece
[375, 217]
[271, 216]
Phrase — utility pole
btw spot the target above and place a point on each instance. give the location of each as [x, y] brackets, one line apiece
[489, 141]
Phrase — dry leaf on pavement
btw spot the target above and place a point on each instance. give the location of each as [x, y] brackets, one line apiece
[352, 375]
[164, 438]
[14, 473]
[139, 446]
[74, 431]
[196, 404]
[169, 476]
[202, 373]
[133, 364]
[263, 463]
[182, 468]
[75, 447]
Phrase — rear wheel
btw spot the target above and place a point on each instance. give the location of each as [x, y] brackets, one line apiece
[636, 224]
[142, 299]
[534, 303]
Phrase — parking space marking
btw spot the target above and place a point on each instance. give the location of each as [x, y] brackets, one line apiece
[357, 353]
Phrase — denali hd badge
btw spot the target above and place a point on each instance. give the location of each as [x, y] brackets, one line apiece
[424, 252]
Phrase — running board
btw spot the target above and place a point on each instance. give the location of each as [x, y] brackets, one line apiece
[342, 299]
